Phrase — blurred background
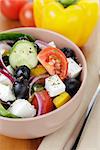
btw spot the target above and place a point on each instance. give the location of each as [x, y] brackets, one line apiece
[16, 13]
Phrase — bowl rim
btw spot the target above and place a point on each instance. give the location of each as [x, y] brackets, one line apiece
[73, 98]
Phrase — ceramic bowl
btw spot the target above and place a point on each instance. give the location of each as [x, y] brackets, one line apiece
[45, 124]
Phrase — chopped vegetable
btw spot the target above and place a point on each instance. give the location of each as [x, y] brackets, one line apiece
[46, 104]
[61, 99]
[39, 101]
[7, 75]
[39, 70]
[35, 80]
[14, 36]
[25, 53]
[37, 87]
[6, 113]
[54, 61]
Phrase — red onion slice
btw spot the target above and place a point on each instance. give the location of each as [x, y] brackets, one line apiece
[41, 44]
[7, 75]
[39, 100]
[36, 79]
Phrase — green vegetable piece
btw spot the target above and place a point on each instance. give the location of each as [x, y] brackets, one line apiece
[66, 3]
[6, 113]
[23, 52]
[37, 87]
[14, 36]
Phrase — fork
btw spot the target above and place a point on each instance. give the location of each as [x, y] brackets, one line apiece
[90, 107]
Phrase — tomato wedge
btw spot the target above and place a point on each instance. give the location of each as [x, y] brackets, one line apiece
[47, 104]
[54, 61]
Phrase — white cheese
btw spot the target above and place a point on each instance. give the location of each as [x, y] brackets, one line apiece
[4, 80]
[52, 44]
[73, 68]
[3, 47]
[54, 85]
[22, 108]
[6, 93]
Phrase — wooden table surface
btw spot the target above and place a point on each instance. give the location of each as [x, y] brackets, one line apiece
[7, 143]
[93, 61]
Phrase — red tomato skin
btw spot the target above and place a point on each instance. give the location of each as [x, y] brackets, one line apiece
[34, 102]
[46, 101]
[11, 8]
[26, 15]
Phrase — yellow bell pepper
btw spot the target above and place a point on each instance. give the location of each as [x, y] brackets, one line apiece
[39, 70]
[61, 99]
[74, 19]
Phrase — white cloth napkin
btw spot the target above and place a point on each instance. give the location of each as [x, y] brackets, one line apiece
[57, 140]
[90, 139]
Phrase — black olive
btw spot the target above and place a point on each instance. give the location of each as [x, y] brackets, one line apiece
[37, 47]
[22, 71]
[21, 88]
[23, 38]
[6, 60]
[72, 85]
[7, 104]
[10, 42]
[70, 53]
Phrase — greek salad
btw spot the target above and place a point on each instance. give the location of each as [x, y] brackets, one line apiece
[35, 77]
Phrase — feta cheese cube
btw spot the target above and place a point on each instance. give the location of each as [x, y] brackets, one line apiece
[73, 68]
[5, 80]
[52, 44]
[6, 93]
[22, 108]
[54, 85]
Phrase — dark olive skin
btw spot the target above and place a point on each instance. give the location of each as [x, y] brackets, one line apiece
[7, 104]
[23, 38]
[10, 42]
[69, 53]
[21, 88]
[72, 86]
[6, 60]
[23, 72]
[37, 48]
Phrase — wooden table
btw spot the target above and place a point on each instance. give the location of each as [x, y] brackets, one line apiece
[92, 54]
[5, 142]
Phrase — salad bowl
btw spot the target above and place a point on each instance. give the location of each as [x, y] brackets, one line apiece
[29, 128]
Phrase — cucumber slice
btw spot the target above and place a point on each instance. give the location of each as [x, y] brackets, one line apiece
[14, 36]
[23, 52]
